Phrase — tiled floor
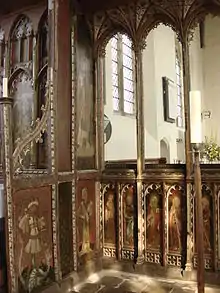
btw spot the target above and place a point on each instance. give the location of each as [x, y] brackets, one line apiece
[117, 282]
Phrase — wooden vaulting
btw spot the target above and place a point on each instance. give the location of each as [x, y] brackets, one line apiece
[61, 189]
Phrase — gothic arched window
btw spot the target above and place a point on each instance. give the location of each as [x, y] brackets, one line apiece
[21, 41]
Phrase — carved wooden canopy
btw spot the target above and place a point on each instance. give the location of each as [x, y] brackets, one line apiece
[87, 6]
[138, 18]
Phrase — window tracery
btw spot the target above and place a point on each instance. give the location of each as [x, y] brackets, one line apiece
[21, 42]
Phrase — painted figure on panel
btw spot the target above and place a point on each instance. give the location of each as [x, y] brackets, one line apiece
[129, 217]
[109, 218]
[32, 225]
[175, 226]
[34, 263]
[85, 211]
[206, 223]
[85, 127]
[153, 221]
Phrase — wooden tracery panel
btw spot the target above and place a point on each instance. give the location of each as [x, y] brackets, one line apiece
[21, 44]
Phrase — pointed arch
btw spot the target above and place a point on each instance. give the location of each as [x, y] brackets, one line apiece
[21, 40]
[43, 42]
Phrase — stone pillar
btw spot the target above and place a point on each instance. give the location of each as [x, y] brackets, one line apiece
[140, 151]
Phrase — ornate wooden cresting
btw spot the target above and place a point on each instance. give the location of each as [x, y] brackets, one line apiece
[144, 213]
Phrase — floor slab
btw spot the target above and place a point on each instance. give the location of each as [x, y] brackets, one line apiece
[120, 282]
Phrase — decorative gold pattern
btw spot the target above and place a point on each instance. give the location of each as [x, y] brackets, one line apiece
[153, 257]
[109, 252]
[73, 53]
[97, 204]
[9, 198]
[55, 238]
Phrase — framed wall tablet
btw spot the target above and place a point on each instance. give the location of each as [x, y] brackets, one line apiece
[169, 100]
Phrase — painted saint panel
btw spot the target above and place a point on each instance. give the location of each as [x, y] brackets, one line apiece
[153, 218]
[128, 215]
[85, 129]
[33, 250]
[208, 223]
[207, 206]
[86, 220]
[110, 218]
[175, 219]
[206, 210]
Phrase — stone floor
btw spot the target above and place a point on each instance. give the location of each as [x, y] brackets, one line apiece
[118, 282]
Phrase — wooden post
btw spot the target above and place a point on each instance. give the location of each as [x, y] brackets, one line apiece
[140, 149]
[188, 154]
[6, 105]
[199, 223]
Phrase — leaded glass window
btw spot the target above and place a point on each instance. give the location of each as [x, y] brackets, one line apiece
[122, 74]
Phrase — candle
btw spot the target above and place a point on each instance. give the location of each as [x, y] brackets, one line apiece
[195, 117]
[5, 87]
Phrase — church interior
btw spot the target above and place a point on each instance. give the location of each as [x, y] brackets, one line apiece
[109, 146]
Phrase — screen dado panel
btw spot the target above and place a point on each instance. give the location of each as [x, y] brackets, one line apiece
[168, 210]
